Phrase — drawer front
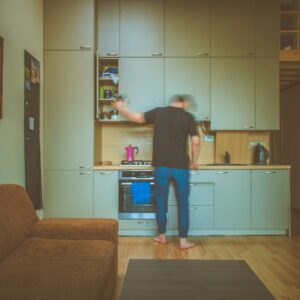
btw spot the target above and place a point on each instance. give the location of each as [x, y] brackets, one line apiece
[137, 224]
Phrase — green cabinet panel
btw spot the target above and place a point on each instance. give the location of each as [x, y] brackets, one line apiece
[232, 199]
[141, 28]
[142, 79]
[137, 224]
[189, 76]
[201, 217]
[187, 28]
[233, 28]
[233, 94]
[68, 194]
[270, 199]
[106, 201]
[267, 93]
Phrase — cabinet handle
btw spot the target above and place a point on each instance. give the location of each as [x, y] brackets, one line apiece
[85, 173]
[156, 54]
[249, 54]
[84, 167]
[143, 222]
[193, 208]
[104, 173]
[130, 183]
[248, 127]
[86, 47]
[222, 172]
[193, 173]
[270, 172]
[112, 54]
[194, 183]
[202, 54]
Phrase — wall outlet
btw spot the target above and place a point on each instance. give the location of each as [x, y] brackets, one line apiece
[254, 143]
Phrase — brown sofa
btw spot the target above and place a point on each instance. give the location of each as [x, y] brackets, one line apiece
[53, 259]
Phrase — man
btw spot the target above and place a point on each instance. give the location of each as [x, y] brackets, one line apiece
[172, 127]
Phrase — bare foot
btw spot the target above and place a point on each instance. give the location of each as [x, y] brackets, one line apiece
[161, 239]
[185, 244]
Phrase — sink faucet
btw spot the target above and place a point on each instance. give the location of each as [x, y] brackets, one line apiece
[227, 157]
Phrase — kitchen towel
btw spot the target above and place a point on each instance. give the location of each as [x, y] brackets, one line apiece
[141, 193]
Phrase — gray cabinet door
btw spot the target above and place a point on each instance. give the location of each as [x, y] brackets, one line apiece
[189, 76]
[232, 28]
[267, 94]
[142, 28]
[68, 110]
[108, 28]
[106, 194]
[68, 194]
[233, 94]
[232, 199]
[187, 28]
[142, 79]
[267, 28]
[69, 25]
[270, 199]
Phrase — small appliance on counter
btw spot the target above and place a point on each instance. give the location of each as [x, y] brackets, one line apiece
[261, 155]
[130, 152]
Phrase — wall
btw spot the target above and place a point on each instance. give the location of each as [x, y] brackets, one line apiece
[290, 141]
[21, 26]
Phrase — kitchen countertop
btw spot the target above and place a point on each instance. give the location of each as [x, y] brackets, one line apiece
[201, 167]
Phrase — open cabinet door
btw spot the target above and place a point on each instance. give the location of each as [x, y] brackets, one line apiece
[32, 130]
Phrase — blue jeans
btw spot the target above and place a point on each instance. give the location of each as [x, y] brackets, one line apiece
[163, 176]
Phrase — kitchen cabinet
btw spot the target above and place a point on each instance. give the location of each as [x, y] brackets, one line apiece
[267, 24]
[270, 199]
[68, 194]
[232, 205]
[141, 28]
[190, 76]
[233, 28]
[142, 79]
[108, 28]
[106, 202]
[187, 28]
[267, 104]
[233, 93]
[69, 25]
[68, 110]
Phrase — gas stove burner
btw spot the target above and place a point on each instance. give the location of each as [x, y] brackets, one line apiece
[136, 163]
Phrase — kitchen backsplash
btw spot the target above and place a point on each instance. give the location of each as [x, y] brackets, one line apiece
[110, 143]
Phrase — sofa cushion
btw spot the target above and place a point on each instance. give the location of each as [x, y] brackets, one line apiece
[48, 269]
[17, 215]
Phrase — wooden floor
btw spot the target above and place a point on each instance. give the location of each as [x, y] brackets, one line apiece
[274, 259]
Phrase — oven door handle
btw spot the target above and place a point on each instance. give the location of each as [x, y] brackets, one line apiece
[130, 183]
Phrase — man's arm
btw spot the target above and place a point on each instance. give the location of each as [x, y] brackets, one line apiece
[128, 114]
[196, 145]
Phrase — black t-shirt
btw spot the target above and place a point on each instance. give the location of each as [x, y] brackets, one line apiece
[172, 127]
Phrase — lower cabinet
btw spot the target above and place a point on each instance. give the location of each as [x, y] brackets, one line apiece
[138, 224]
[106, 194]
[270, 199]
[68, 194]
[232, 199]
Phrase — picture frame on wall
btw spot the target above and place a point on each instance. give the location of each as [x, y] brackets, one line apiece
[1, 76]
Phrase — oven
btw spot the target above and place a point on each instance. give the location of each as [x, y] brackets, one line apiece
[129, 208]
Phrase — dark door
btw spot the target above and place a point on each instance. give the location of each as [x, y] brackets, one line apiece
[32, 130]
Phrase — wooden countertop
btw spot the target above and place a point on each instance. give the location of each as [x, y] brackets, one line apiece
[202, 167]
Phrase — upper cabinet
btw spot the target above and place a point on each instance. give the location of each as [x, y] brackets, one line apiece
[233, 94]
[190, 76]
[233, 28]
[141, 28]
[267, 95]
[108, 28]
[143, 82]
[267, 28]
[69, 24]
[187, 28]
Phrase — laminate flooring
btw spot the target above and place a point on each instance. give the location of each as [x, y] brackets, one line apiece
[274, 259]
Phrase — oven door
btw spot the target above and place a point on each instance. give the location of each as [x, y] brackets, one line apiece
[128, 210]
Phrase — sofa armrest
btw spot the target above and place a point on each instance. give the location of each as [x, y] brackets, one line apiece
[77, 229]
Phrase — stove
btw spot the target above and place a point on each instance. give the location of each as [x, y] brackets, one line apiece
[136, 163]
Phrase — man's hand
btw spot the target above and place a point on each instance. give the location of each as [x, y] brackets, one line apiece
[118, 104]
[193, 166]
